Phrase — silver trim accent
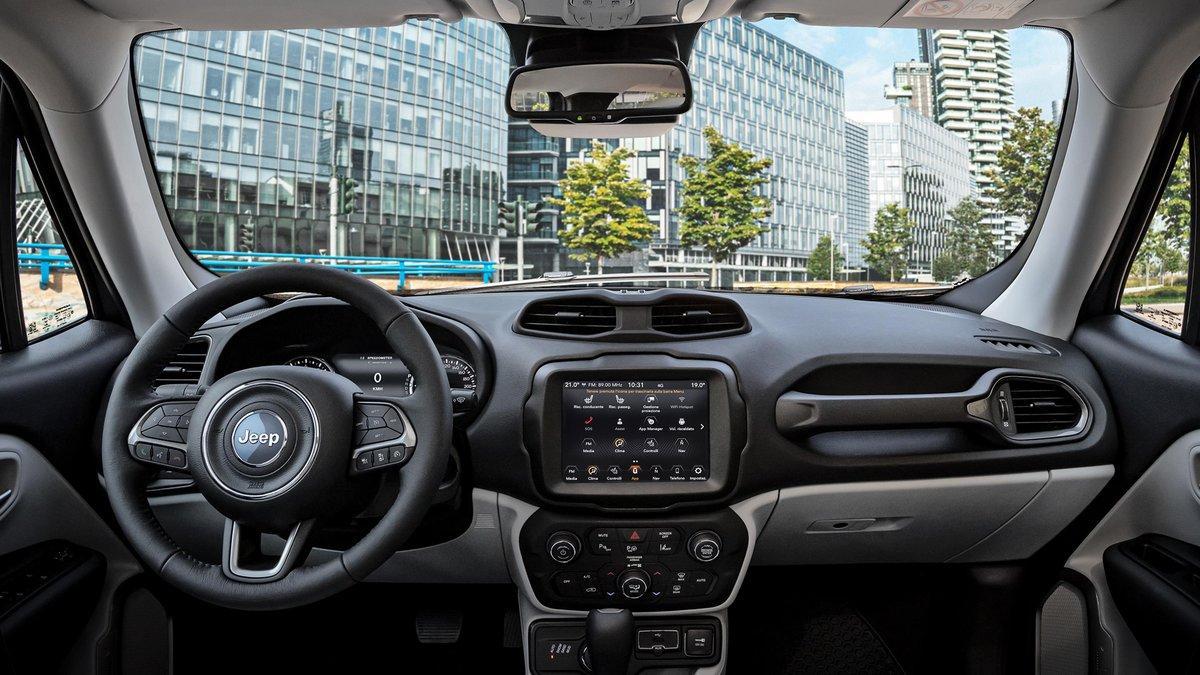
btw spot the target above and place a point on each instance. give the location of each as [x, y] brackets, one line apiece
[312, 456]
[278, 452]
[235, 539]
[1081, 427]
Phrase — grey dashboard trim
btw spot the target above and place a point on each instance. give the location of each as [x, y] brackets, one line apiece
[936, 520]
[754, 512]
[1163, 501]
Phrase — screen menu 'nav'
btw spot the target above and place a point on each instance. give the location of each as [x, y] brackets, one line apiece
[635, 430]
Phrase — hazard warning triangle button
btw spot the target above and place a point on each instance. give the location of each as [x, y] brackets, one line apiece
[635, 534]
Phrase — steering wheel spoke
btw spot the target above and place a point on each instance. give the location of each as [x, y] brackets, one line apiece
[242, 557]
[383, 436]
[159, 437]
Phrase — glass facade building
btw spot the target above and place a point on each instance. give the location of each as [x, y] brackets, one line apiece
[758, 90]
[921, 166]
[858, 197]
[247, 128]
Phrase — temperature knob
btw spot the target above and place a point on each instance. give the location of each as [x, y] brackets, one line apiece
[563, 547]
[634, 583]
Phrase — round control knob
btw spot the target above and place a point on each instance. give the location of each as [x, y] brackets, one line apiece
[563, 547]
[705, 546]
[634, 583]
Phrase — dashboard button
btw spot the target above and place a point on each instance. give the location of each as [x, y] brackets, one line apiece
[602, 540]
[563, 547]
[634, 583]
[698, 642]
[699, 582]
[633, 548]
[567, 584]
[637, 534]
[705, 546]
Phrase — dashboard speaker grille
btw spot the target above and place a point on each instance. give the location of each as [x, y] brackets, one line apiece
[697, 316]
[1015, 346]
[1041, 406]
[581, 316]
[186, 366]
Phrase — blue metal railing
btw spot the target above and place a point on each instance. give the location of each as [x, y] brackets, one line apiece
[48, 258]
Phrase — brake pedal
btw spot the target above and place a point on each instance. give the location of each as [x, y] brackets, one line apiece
[439, 627]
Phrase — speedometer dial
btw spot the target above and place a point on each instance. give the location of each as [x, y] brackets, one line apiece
[459, 372]
[310, 362]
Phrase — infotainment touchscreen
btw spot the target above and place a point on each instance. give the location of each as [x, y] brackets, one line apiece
[635, 430]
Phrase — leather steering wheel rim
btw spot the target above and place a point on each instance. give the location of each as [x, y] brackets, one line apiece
[428, 409]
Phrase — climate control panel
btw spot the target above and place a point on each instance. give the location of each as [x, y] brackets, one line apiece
[659, 563]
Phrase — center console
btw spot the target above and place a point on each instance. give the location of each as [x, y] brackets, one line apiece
[633, 454]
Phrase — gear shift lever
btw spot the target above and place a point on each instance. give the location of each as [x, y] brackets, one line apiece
[610, 640]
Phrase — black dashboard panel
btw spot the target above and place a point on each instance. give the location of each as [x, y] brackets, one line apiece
[789, 338]
[789, 347]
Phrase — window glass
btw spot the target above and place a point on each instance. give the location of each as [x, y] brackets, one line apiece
[898, 158]
[51, 295]
[1156, 288]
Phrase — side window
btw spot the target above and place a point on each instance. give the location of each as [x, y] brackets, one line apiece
[1156, 289]
[51, 295]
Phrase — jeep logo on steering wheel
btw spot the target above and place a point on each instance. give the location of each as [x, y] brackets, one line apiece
[259, 437]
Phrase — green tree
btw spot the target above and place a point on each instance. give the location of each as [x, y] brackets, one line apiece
[969, 243]
[1175, 206]
[818, 260]
[1023, 164]
[888, 241]
[602, 206]
[722, 208]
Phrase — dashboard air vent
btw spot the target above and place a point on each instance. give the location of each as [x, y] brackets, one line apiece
[1043, 406]
[697, 316]
[186, 366]
[1015, 346]
[581, 316]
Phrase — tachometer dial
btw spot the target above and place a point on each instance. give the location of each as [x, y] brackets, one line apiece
[459, 372]
[310, 362]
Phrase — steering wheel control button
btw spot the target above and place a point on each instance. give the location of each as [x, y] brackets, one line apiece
[177, 459]
[563, 547]
[705, 546]
[143, 451]
[363, 460]
[698, 642]
[159, 433]
[634, 583]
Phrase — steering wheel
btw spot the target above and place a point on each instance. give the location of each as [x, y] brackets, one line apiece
[275, 448]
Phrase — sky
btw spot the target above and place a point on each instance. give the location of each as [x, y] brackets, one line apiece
[1041, 59]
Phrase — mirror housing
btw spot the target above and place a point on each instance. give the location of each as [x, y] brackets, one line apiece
[613, 98]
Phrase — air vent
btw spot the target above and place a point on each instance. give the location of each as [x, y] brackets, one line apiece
[1015, 346]
[581, 316]
[1043, 406]
[186, 366]
[697, 316]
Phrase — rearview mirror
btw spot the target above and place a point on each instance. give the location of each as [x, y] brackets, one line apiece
[600, 92]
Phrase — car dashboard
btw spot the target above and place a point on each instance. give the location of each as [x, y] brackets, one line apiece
[641, 448]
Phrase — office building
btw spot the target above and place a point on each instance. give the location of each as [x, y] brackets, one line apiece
[921, 166]
[247, 128]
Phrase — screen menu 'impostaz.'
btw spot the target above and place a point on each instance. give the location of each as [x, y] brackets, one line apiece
[635, 430]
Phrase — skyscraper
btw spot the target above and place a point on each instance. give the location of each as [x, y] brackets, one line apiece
[858, 197]
[973, 97]
[789, 107]
[912, 86]
[920, 166]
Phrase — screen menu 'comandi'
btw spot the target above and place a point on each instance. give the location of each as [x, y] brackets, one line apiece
[635, 430]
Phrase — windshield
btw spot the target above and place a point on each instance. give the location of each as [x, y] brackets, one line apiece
[813, 158]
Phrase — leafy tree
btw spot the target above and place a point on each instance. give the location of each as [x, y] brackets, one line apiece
[602, 206]
[969, 243]
[1175, 206]
[1024, 163]
[889, 239]
[818, 260]
[722, 208]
